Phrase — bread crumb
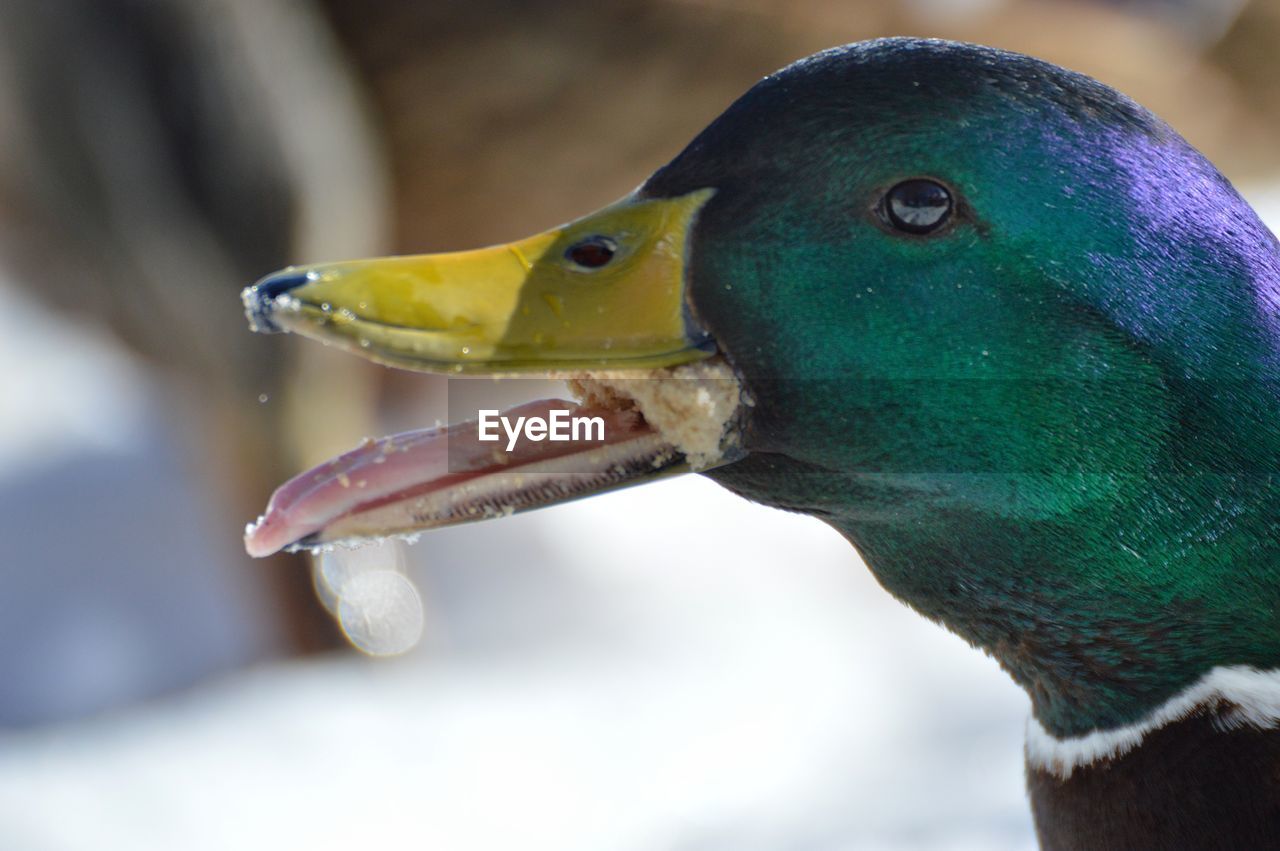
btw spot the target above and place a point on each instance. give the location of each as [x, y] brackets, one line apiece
[692, 406]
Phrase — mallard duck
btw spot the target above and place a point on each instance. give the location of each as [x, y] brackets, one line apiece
[996, 323]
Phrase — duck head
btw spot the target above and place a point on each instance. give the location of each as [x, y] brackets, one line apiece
[993, 321]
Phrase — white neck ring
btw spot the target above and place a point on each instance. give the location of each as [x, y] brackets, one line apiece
[1252, 696]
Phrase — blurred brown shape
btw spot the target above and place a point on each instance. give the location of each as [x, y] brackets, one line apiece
[156, 157]
[505, 117]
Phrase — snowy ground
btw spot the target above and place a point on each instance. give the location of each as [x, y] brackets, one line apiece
[745, 687]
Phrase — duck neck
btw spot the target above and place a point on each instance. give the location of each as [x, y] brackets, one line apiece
[1201, 775]
[1102, 616]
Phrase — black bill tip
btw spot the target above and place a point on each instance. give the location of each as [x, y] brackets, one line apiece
[260, 299]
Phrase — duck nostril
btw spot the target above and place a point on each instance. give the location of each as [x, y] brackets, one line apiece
[259, 299]
[592, 252]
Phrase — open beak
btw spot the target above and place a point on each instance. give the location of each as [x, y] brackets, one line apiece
[601, 300]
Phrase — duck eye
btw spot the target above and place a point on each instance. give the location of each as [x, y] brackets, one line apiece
[592, 252]
[917, 206]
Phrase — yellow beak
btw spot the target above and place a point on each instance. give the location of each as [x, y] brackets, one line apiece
[605, 290]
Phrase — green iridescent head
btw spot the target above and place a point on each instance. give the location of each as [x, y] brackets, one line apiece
[1017, 340]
